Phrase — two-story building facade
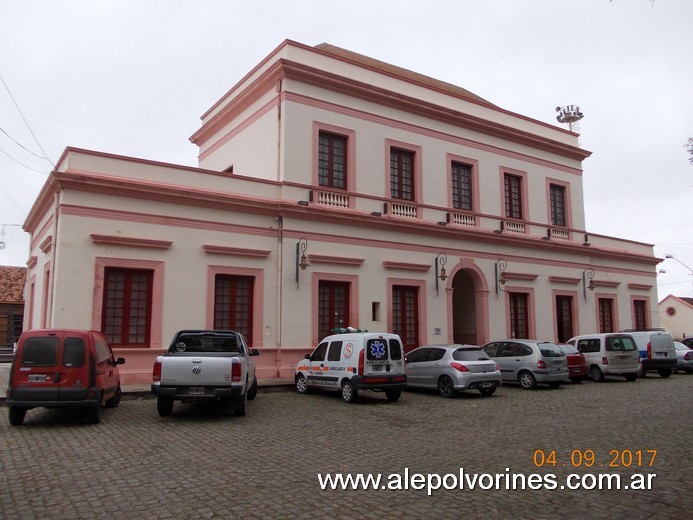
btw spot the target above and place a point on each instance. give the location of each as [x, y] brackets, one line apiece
[334, 190]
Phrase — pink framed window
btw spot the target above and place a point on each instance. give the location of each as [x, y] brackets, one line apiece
[402, 180]
[233, 304]
[461, 179]
[519, 315]
[639, 314]
[333, 306]
[332, 160]
[405, 315]
[558, 205]
[606, 315]
[127, 303]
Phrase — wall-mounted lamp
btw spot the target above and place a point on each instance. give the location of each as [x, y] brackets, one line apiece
[376, 214]
[587, 240]
[301, 260]
[441, 259]
[587, 274]
[501, 265]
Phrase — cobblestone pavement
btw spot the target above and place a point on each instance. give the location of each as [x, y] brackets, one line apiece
[208, 464]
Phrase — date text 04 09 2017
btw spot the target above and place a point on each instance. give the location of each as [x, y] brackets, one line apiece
[589, 458]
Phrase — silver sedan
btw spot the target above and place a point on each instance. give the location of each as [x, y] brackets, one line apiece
[452, 369]
[684, 357]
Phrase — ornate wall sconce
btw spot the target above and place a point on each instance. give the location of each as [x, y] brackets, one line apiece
[587, 274]
[441, 260]
[301, 260]
[501, 265]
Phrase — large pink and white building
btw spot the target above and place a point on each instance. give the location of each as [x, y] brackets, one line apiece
[334, 190]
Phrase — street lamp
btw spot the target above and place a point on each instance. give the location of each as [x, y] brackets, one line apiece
[301, 260]
[441, 259]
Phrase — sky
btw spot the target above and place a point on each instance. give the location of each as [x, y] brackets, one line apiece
[133, 78]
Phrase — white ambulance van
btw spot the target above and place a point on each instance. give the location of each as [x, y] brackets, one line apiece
[352, 360]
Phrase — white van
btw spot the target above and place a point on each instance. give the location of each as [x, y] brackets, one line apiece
[657, 350]
[609, 354]
[353, 360]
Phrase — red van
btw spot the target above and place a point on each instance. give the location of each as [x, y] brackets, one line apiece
[63, 369]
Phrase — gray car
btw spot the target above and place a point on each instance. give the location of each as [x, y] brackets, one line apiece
[684, 357]
[529, 362]
[452, 369]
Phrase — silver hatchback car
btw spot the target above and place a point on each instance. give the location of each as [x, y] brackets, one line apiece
[452, 369]
[529, 362]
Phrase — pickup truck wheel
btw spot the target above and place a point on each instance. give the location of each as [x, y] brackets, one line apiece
[252, 392]
[349, 393]
[164, 405]
[17, 416]
[241, 405]
[115, 400]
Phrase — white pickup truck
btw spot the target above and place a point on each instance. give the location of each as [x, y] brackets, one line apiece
[205, 365]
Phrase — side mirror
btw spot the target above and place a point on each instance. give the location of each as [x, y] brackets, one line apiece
[254, 352]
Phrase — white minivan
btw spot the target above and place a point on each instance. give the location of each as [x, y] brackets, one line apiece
[657, 351]
[354, 360]
[609, 354]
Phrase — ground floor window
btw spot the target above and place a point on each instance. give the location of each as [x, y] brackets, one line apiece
[606, 315]
[333, 307]
[127, 303]
[405, 315]
[519, 317]
[564, 318]
[233, 304]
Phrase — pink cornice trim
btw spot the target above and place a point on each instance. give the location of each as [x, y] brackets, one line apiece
[564, 279]
[145, 243]
[338, 260]
[47, 244]
[520, 276]
[640, 286]
[31, 263]
[406, 266]
[604, 283]
[235, 251]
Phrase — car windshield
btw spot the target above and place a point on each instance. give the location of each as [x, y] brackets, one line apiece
[550, 350]
[469, 354]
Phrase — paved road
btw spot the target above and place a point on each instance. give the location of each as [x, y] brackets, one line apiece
[206, 464]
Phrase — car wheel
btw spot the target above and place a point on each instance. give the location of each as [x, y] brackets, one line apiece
[446, 387]
[631, 377]
[527, 380]
[349, 393]
[664, 372]
[393, 395]
[576, 380]
[252, 391]
[487, 391]
[164, 405]
[94, 414]
[301, 384]
[241, 405]
[17, 416]
[115, 400]
[596, 374]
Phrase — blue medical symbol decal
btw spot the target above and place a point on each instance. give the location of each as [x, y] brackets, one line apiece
[377, 349]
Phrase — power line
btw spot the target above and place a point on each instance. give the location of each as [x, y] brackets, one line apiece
[22, 164]
[22, 146]
[26, 122]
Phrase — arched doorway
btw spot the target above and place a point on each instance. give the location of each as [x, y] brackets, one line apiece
[464, 311]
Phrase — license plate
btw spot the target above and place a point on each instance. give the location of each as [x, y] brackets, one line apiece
[377, 368]
[37, 378]
[196, 390]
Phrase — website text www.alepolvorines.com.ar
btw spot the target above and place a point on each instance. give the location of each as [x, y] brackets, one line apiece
[465, 481]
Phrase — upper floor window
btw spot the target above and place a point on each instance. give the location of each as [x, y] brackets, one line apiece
[332, 160]
[513, 196]
[557, 198]
[402, 174]
[462, 186]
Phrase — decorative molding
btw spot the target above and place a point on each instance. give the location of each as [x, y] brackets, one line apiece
[118, 241]
[406, 266]
[604, 283]
[235, 251]
[324, 259]
[47, 244]
[519, 276]
[564, 279]
[640, 286]
[31, 263]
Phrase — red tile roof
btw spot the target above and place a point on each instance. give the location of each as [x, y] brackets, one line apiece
[12, 281]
